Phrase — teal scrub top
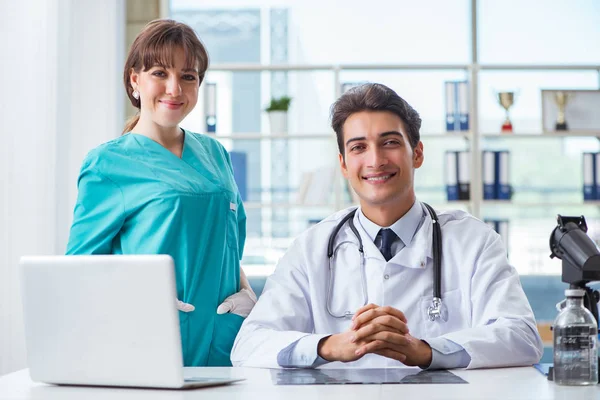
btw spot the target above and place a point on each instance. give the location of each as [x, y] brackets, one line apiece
[136, 197]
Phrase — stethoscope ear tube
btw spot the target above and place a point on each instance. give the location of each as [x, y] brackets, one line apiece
[333, 235]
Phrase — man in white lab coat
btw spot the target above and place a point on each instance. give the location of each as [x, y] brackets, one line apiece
[372, 310]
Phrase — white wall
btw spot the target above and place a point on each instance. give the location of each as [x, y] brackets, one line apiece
[91, 93]
[60, 79]
[27, 158]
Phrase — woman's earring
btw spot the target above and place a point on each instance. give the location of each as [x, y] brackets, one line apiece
[136, 94]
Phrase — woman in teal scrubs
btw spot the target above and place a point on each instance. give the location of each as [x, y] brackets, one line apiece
[159, 189]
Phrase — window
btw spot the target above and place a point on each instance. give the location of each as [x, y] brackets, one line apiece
[337, 44]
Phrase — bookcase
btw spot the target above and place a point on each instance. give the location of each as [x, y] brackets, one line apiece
[312, 150]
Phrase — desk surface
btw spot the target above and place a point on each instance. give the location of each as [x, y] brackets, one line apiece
[504, 383]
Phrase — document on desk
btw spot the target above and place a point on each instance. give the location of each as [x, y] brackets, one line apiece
[544, 369]
[362, 376]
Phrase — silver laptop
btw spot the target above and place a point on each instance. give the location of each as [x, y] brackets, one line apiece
[104, 320]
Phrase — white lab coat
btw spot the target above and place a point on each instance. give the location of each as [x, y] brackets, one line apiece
[487, 311]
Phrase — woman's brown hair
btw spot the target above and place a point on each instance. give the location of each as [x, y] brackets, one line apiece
[155, 45]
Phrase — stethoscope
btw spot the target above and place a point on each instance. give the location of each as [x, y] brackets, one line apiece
[435, 309]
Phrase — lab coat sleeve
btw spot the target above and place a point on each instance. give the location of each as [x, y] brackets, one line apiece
[302, 353]
[445, 354]
[281, 316]
[98, 216]
[503, 330]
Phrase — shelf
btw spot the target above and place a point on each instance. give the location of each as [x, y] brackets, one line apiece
[241, 67]
[376, 67]
[258, 205]
[446, 135]
[529, 67]
[441, 205]
[537, 204]
[452, 203]
[450, 134]
[543, 135]
[271, 136]
[430, 67]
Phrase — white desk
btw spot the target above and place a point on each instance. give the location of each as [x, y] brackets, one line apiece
[505, 384]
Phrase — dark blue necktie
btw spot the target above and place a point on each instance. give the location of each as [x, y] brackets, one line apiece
[387, 238]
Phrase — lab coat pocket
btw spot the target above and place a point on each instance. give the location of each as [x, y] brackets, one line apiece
[452, 318]
[226, 329]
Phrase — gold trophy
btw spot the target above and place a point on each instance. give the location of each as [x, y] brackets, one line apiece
[561, 99]
[506, 100]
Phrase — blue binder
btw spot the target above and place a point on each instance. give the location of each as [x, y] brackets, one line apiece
[457, 105]
[451, 175]
[489, 175]
[451, 106]
[596, 177]
[463, 105]
[211, 124]
[210, 107]
[503, 189]
[239, 161]
[590, 185]
[464, 175]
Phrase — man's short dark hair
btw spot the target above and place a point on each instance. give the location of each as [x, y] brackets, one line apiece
[374, 97]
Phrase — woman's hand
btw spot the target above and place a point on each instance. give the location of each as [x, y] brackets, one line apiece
[240, 303]
[185, 307]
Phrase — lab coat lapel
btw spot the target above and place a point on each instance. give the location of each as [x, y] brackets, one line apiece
[415, 253]
[371, 251]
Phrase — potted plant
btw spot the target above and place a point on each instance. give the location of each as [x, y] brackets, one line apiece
[278, 110]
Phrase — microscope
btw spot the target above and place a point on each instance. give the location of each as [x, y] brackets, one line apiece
[580, 260]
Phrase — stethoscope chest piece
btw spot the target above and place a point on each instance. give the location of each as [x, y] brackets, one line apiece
[434, 311]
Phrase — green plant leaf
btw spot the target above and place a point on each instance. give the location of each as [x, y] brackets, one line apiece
[279, 104]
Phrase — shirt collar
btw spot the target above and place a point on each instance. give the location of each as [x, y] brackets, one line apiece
[405, 227]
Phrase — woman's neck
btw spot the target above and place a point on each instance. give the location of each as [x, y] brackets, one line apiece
[170, 138]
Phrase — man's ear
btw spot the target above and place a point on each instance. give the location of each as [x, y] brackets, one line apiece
[418, 156]
[343, 166]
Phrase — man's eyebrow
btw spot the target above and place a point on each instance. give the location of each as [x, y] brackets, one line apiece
[391, 133]
[381, 135]
[355, 139]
